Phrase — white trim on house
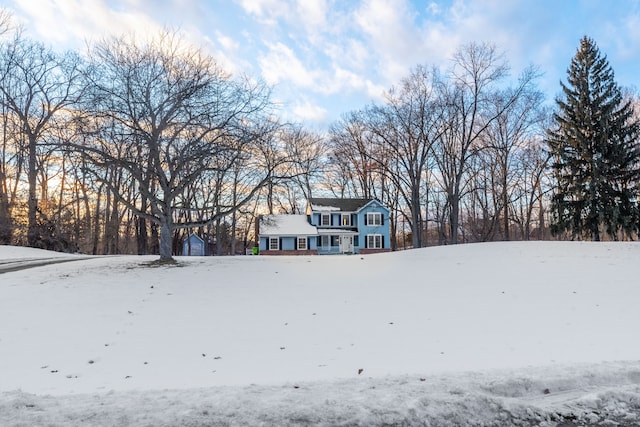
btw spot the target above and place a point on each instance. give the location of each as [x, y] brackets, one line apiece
[336, 232]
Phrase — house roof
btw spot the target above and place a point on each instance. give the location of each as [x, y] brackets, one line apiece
[286, 225]
[334, 204]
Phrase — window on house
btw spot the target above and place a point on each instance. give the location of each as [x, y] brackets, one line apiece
[325, 219]
[302, 243]
[374, 218]
[274, 243]
[374, 241]
[325, 241]
[346, 219]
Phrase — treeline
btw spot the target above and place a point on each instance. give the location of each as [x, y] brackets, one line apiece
[457, 153]
[131, 147]
[127, 149]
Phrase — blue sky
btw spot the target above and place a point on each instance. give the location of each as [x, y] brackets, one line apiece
[328, 57]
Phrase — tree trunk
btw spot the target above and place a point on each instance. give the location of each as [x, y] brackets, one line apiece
[416, 218]
[166, 240]
[234, 214]
[454, 216]
[505, 201]
[141, 236]
[96, 222]
[219, 239]
[32, 226]
[6, 229]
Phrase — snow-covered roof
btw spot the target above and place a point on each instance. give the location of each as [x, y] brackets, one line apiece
[286, 225]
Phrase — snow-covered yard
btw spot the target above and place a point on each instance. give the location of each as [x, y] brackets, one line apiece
[482, 334]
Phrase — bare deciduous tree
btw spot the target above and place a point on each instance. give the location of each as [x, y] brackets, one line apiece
[504, 139]
[408, 128]
[36, 85]
[465, 99]
[177, 117]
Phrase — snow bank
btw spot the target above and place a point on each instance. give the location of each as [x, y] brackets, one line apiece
[18, 252]
[603, 394]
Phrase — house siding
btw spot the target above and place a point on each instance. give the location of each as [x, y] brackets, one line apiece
[366, 229]
[286, 243]
[307, 252]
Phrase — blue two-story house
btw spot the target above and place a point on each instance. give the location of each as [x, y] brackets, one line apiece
[349, 225]
[330, 226]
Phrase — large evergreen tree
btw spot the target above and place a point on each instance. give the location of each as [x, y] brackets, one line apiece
[595, 151]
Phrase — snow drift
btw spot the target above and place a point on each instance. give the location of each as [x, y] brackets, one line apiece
[482, 334]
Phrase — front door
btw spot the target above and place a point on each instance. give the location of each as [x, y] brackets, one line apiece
[346, 244]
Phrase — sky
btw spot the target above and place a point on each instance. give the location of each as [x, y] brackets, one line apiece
[325, 58]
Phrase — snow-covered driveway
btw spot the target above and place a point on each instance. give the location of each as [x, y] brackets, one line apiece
[7, 266]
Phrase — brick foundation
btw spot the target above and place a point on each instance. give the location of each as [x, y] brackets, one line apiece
[373, 251]
[307, 252]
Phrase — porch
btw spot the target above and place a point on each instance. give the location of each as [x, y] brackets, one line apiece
[332, 241]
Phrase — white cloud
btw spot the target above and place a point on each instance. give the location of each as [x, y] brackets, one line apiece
[305, 14]
[254, 6]
[227, 43]
[350, 53]
[307, 111]
[267, 11]
[281, 64]
[629, 46]
[344, 78]
[375, 91]
[346, 81]
[312, 14]
[82, 21]
[356, 49]
[91, 21]
[391, 33]
[433, 8]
